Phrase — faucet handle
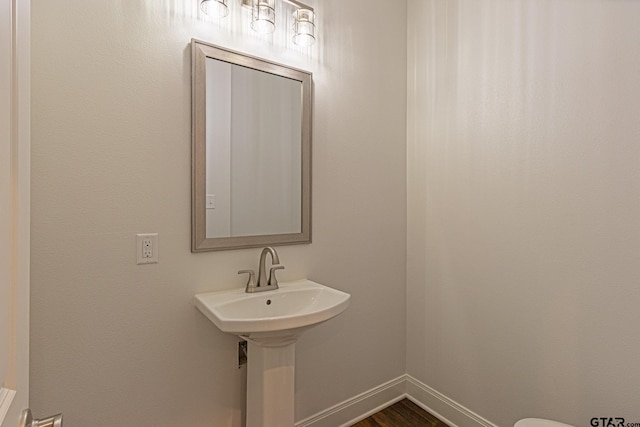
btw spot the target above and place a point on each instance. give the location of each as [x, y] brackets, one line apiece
[251, 283]
[273, 280]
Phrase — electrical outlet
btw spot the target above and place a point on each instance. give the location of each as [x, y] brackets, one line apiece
[211, 201]
[147, 248]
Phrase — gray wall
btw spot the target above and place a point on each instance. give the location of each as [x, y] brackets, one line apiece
[114, 343]
[523, 204]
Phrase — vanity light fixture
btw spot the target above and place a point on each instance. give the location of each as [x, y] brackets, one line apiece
[304, 27]
[263, 17]
[217, 8]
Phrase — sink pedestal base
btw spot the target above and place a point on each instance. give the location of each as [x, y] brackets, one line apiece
[270, 385]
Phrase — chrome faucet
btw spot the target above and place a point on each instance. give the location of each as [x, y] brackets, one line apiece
[264, 284]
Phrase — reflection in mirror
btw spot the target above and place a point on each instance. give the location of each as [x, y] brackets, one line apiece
[251, 151]
[253, 171]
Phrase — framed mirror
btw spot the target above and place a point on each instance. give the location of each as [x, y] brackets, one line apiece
[251, 151]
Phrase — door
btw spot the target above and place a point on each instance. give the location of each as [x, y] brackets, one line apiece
[14, 210]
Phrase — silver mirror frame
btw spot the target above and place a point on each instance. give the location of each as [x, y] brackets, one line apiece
[199, 242]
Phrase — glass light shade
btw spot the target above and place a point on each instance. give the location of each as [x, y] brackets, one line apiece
[304, 27]
[263, 16]
[215, 7]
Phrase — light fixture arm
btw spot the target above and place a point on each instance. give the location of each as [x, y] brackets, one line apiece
[249, 3]
[298, 4]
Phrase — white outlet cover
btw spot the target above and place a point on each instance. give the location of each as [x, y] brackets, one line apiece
[211, 201]
[147, 255]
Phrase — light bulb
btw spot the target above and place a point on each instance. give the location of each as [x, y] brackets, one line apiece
[304, 27]
[263, 16]
[216, 8]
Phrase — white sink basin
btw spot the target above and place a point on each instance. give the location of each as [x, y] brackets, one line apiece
[289, 310]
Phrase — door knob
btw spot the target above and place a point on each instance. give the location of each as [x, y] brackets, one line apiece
[26, 420]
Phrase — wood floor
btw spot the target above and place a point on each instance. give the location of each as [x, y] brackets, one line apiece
[404, 413]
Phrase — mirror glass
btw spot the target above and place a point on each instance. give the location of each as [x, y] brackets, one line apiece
[251, 151]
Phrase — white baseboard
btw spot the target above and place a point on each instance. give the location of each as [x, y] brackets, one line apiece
[365, 404]
[6, 397]
[448, 410]
[358, 407]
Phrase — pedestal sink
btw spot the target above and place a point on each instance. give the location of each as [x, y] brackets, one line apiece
[271, 322]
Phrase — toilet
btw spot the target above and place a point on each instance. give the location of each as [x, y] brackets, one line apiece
[538, 422]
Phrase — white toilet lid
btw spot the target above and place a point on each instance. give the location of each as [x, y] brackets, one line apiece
[538, 422]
